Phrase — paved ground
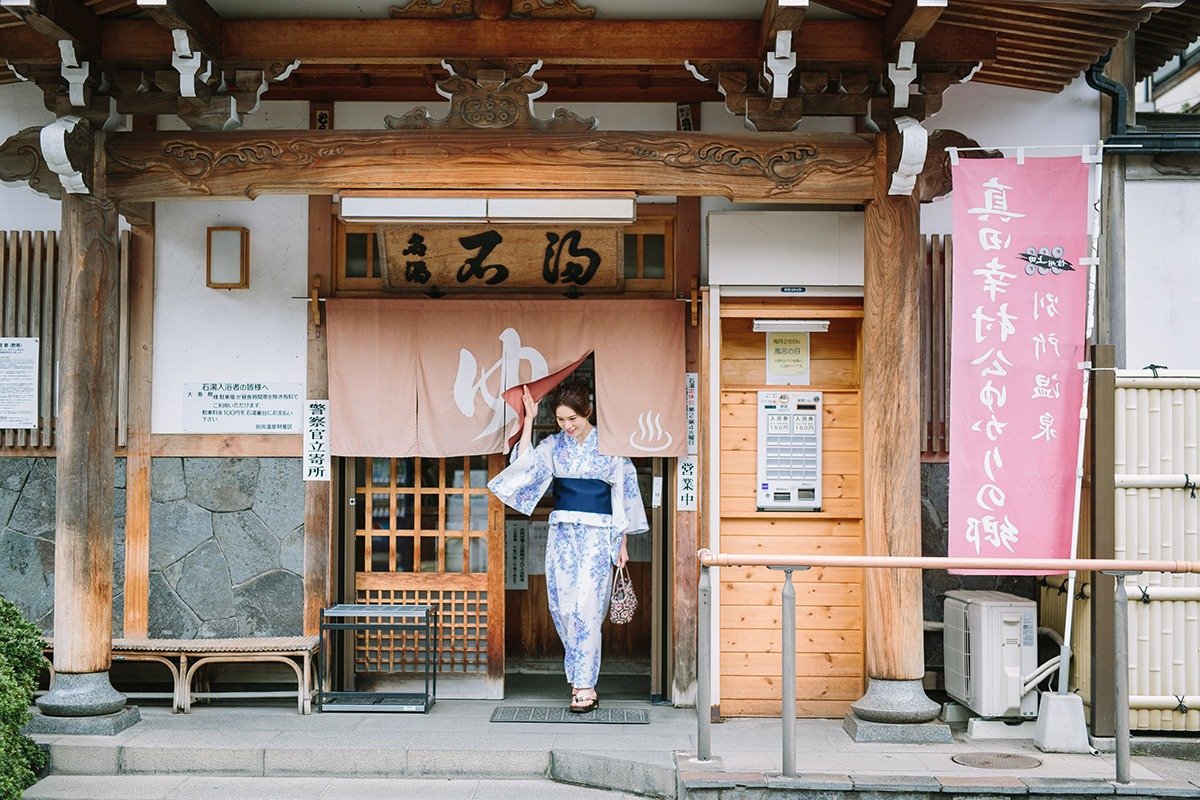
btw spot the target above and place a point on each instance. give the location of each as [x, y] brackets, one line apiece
[271, 751]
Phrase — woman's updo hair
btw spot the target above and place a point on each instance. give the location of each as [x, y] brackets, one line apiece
[574, 394]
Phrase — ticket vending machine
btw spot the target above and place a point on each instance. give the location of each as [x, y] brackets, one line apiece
[789, 451]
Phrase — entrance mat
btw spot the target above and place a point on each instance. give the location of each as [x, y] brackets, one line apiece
[603, 716]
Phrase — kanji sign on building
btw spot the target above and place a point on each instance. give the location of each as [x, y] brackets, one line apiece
[419, 258]
[1020, 305]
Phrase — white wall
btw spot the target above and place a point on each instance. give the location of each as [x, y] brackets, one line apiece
[997, 116]
[21, 208]
[203, 334]
[1162, 286]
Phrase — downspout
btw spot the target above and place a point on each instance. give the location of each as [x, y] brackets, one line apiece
[1137, 140]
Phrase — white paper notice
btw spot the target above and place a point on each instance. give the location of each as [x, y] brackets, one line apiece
[640, 546]
[687, 478]
[18, 383]
[251, 407]
[692, 396]
[316, 440]
[539, 532]
[516, 544]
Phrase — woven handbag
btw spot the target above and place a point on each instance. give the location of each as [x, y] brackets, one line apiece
[624, 602]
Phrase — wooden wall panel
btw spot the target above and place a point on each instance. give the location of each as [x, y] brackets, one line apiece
[829, 602]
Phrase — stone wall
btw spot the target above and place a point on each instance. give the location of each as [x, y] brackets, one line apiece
[27, 487]
[226, 547]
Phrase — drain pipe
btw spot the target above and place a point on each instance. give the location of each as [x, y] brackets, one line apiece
[1138, 141]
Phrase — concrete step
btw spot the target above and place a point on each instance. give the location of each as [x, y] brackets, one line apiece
[462, 756]
[207, 787]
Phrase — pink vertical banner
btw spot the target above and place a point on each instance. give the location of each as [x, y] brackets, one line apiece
[1018, 329]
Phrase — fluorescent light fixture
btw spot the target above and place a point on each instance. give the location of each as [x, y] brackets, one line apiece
[614, 209]
[791, 326]
[365, 208]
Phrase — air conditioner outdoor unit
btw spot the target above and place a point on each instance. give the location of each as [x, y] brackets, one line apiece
[990, 650]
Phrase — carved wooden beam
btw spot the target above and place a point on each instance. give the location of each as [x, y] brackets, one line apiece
[779, 15]
[21, 161]
[832, 168]
[203, 25]
[934, 180]
[909, 21]
[58, 20]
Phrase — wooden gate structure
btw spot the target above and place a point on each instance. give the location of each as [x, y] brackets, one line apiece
[883, 69]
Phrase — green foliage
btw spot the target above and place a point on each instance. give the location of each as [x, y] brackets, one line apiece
[21, 645]
[20, 663]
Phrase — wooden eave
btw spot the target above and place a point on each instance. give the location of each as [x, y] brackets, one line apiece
[1042, 46]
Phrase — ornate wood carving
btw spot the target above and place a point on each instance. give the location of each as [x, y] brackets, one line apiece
[490, 101]
[934, 180]
[491, 9]
[812, 168]
[906, 155]
[21, 161]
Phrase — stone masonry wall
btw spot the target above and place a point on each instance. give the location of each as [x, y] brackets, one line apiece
[226, 547]
[27, 487]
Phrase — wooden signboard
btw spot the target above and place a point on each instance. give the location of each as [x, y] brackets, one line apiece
[554, 257]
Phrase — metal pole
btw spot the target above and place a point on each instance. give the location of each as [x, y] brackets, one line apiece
[1121, 667]
[788, 717]
[704, 669]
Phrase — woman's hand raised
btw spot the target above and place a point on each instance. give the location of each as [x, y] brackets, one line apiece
[531, 405]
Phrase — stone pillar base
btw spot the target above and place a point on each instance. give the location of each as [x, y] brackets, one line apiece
[862, 730]
[103, 725]
[81, 694]
[903, 702]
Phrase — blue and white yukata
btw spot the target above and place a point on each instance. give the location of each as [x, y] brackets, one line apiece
[583, 545]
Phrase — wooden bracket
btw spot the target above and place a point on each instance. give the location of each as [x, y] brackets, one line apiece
[694, 302]
[314, 302]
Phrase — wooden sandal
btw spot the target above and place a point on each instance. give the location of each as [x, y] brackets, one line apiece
[582, 704]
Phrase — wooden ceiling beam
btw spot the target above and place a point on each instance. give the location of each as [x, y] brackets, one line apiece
[131, 42]
[56, 20]
[777, 16]
[197, 17]
[909, 21]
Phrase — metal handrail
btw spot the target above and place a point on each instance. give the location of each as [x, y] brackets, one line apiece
[1120, 569]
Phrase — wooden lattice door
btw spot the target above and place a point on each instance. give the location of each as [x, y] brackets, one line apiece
[427, 531]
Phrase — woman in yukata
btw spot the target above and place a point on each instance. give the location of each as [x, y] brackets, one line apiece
[596, 505]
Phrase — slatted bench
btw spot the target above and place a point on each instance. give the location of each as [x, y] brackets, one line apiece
[183, 657]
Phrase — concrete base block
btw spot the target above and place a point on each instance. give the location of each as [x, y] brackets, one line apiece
[862, 730]
[979, 728]
[895, 702]
[81, 694]
[1060, 725]
[102, 725]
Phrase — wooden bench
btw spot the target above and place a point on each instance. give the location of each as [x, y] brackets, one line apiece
[184, 657]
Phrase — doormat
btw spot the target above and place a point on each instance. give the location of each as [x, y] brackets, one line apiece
[603, 716]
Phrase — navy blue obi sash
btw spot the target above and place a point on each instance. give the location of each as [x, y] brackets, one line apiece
[582, 494]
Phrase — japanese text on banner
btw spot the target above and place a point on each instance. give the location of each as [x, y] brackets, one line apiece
[1020, 301]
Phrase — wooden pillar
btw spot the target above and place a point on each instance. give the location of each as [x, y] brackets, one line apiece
[137, 453]
[1110, 278]
[318, 526]
[83, 548]
[891, 449]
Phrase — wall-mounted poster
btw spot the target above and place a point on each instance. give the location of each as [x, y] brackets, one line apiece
[787, 359]
[18, 383]
[242, 407]
[516, 547]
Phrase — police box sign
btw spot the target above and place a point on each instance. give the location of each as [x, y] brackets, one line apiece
[242, 407]
[486, 258]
